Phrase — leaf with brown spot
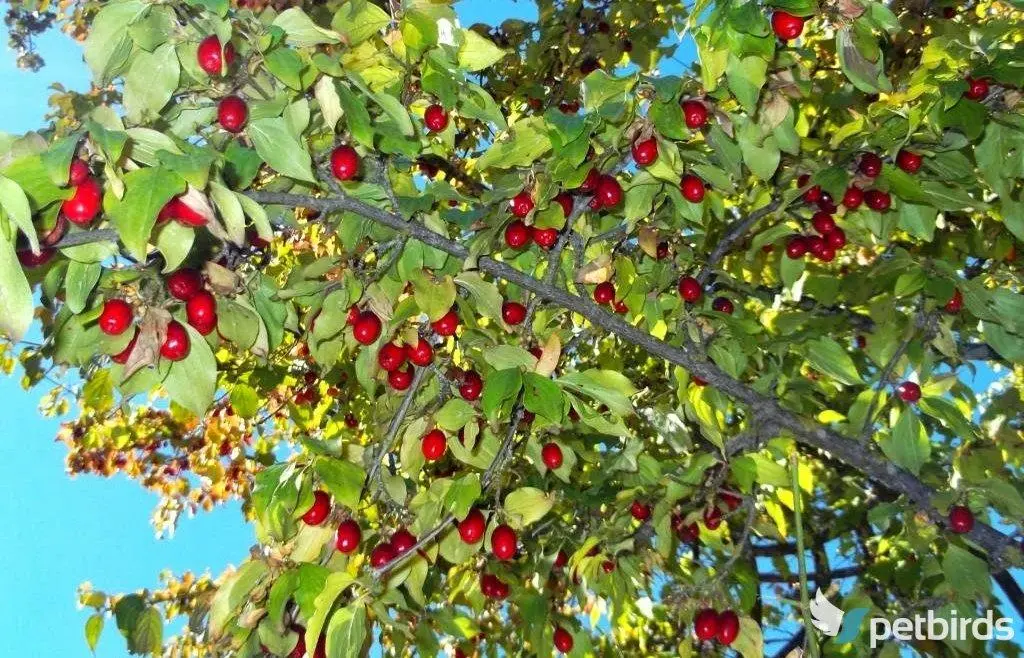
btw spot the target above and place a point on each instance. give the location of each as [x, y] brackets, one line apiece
[152, 332]
[550, 353]
[596, 271]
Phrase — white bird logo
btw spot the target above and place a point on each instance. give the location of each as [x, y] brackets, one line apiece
[826, 617]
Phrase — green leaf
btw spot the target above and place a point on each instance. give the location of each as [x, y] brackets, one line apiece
[301, 31]
[917, 220]
[15, 205]
[610, 387]
[150, 82]
[462, 494]
[245, 400]
[343, 479]
[79, 282]
[233, 593]
[760, 154]
[15, 294]
[484, 294]
[523, 143]
[455, 414]
[108, 46]
[434, 296]
[230, 211]
[829, 357]
[477, 53]
[192, 382]
[358, 20]
[908, 445]
[280, 149]
[750, 642]
[526, 506]
[135, 215]
[336, 583]
[346, 633]
[174, 241]
[93, 629]
[356, 117]
[502, 357]
[866, 75]
[500, 388]
[746, 77]
[966, 574]
[543, 397]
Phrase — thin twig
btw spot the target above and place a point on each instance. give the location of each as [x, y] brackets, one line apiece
[388, 442]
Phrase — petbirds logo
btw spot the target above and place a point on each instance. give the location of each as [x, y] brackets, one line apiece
[833, 622]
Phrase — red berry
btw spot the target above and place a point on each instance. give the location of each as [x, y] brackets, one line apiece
[421, 354]
[122, 356]
[367, 328]
[176, 343]
[640, 511]
[608, 566]
[551, 453]
[471, 528]
[184, 284]
[662, 251]
[435, 118]
[400, 379]
[116, 317]
[319, 510]
[695, 114]
[30, 260]
[705, 624]
[561, 559]
[731, 500]
[955, 304]
[503, 542]
[826, 205]
[712, 517]
[823, 222]
[433, 445]
[797, 247]
[836, 238]
[853, 197]
[447, 324]
[545, 237]
[815, 245]
[728, 627]
[620, 307]
[961, 519]
[210, 56]
[344, 162]
[877, 200]
[787, 26]
[645, 152]
[471, 386]
[870, 165]
[492, 587]
[563, 640]
[608, 191]
[232, 114]
[182, 213]
[353, 315]
[690, 289]
[201, 311]
[862, 342]
[909, 391]
[827, 253]
[977, 89]
[692, 188]
[85, 203]
[564, 200]
[722, 305]
[381, 555]
[348, 537]
[908, 161]
[604, 293]
[522, 204]
[78, 172]
[402, 541]
[391, 357]
[589, 184]
[517, 234]
[513, 313]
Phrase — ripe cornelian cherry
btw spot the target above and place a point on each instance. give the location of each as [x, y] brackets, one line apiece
[731, 500]
[608, 191]
[391, 357]
[493, 587]
[604, 293]
[977, 89]
[909, 391]
[513, 313]
[692, 188]
[877, 200]
[955, 304]
[870, 165]
[30, 260]
[728, 627]
[78, 172]
[184, 284]
[563, 199]
[122, 356]
[645, 152]
[353, 315]
[503, 542]
[815, 245]
[447, 324]
[344, 162]
[787, 26]
[640, 511]
[690, 289]
[909, 161]
[435, 118]
[836, 238]
[551, 454]
[212, 58]
[517, 234]
[182, 213]
[421, 354]
[319, 510]
[796, 248]
[176, 343]
[545, 237]
[853, 197]
[433, 445]
[827, 253]
[400, 379]
[116, 317]
[85, 202]
[367, 328]
[661, 252]
[723, 305]
[348, 537]
[695, 114]
[562, 640]
[589, 183]
[712, 517]
[705, 624]
[381, 555]
[472, 385]
[471, 528]
[402, 541]
[961, 519]
[232, 114]
[201, 311]
[823, 222]
[521, 204]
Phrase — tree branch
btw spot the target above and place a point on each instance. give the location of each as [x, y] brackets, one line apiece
[734, 233]
[388, 442]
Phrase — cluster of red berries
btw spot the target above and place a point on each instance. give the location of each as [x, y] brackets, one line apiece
[87, 195]
[186, 285]
[604, 294]
[712, 518]
[721, 626]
